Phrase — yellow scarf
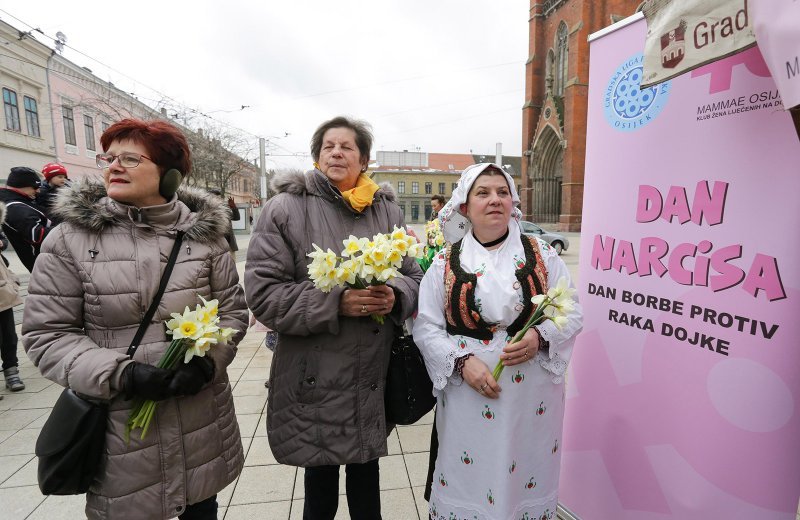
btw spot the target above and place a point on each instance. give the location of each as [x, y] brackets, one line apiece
[361, 196]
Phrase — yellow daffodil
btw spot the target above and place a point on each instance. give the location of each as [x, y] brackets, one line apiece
[398, 234]
[400, 246]
[395, 258]
[560, 321]
[353, 245]
[345, 273]
[387, 274]
[212, 306]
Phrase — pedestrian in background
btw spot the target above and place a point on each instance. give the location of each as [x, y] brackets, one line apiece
[26, 225]
[234, 215]
[55, 177]
[98, 273]
[9, 298]
[325, 406]
[437, 203]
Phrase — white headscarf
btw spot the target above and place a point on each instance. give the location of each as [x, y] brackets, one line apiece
[455, 224]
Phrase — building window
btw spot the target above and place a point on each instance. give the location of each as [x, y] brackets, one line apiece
[428, 188]
[428, 211]
[104, 126]
[32, 116]
[403, 210]
[88, 128]
[441, 188]
[69, 125]
[561, 59]
[453, 187]
[414, 212]
[415, 189]
[401, 186]
[11, 109]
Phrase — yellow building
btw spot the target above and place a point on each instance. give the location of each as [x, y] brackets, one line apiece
[418, 176]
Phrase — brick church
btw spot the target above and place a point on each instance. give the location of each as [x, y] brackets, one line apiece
[554, 114]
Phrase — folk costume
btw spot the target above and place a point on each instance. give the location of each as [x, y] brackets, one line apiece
[498, 458]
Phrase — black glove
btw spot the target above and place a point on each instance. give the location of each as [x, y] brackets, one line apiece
[146, 381]
[192, 376]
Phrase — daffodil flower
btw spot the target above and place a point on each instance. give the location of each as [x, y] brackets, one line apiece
[194, 333]
[554, 306]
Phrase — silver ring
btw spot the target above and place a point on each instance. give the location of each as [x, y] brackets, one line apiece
[363, 309]
[483, 386]
[526, 352]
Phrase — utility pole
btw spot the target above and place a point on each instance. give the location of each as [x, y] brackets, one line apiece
[262, 145]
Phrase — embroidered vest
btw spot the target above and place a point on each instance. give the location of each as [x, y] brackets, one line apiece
[461, 312]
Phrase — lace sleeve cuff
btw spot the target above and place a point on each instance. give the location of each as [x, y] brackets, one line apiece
[549, 359]
[447, 374]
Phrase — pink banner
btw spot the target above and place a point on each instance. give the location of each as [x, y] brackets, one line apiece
[777, 27]
[683, 392]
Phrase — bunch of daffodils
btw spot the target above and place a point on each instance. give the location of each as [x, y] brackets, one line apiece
[434, 243]
[555, 305]
[363, 262]
[193, 333]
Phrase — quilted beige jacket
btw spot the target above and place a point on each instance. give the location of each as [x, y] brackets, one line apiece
[96, 276]
[9, 284]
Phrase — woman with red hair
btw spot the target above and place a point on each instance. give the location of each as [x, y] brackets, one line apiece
[96, 276]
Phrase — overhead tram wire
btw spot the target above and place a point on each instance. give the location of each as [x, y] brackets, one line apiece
[157, 102]
[201, 113]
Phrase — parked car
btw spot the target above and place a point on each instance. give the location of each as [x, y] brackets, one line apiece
[558, 241]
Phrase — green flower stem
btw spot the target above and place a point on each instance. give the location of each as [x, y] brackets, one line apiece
[537, 318]
[143, 412]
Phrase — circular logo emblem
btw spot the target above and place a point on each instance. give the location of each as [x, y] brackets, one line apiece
[627, 106]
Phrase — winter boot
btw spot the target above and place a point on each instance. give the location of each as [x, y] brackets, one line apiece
[13, 382]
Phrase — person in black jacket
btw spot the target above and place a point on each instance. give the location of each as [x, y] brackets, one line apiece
[8, 333]
[26, 224]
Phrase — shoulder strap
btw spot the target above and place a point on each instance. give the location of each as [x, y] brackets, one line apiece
[161, 287]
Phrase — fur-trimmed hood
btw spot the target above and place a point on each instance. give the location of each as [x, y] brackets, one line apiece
[82, 205]
[2, 213]
[313, 182]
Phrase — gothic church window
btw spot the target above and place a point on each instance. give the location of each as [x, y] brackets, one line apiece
[561, 59]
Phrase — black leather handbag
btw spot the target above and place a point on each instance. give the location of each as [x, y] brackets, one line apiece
[71, 444]
[409, 391]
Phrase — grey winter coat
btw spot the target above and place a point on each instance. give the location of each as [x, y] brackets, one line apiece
[325, 403]
[93, 281]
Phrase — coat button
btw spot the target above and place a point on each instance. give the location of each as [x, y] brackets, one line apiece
[179, 509]
[376, 331]
[311, 380]
[374, 386]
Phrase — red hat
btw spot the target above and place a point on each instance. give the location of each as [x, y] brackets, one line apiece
[52, 169]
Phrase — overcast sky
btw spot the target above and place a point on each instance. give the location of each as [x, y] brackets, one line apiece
[434, 75]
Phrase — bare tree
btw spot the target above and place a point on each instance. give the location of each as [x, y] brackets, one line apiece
[219, 159]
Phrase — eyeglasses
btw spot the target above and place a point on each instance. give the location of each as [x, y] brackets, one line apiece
[126, 159]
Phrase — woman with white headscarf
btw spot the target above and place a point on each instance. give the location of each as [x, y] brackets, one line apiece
[499, 441]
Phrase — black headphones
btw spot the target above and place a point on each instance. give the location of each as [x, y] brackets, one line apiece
[169, 183]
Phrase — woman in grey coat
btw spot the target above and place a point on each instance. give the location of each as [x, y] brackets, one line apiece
[96, 276]
[325, 405]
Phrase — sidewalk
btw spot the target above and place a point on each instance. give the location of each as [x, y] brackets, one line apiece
[265, 489]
